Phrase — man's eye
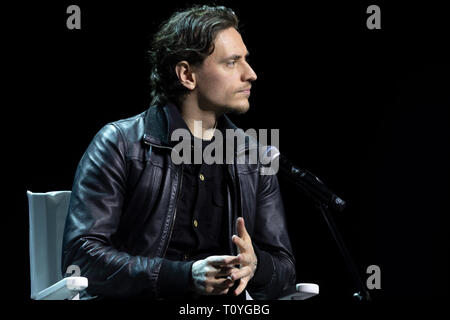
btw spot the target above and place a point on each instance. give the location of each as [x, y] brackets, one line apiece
[231, 63]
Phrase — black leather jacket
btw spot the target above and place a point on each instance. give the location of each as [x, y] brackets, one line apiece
[124, 203]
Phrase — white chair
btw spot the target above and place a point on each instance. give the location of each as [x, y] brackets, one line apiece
[47, 213]
[301, 291]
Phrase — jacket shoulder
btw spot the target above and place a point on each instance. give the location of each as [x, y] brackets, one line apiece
[130, 131]
[128, 125]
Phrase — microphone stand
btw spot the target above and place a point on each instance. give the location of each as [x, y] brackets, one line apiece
[361, 293]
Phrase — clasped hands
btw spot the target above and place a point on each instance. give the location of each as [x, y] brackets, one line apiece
[215, 275]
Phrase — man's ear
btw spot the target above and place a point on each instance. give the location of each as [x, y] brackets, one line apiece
[185, 74]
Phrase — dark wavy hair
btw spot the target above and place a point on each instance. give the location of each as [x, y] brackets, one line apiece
[187, 35]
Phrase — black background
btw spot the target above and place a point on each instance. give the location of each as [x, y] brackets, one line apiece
[365, 110]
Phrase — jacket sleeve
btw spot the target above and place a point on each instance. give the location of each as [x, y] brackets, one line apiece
[276, 263]
[92, 221]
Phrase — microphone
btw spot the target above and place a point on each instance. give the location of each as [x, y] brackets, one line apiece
[307, 181]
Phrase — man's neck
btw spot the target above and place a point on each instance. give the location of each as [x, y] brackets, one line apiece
[192, 115]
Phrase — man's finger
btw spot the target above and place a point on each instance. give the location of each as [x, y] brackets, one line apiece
[240, 227]
[230, 263]
[241, 273]
[221, 260]
[242, 245]
[216, 286]
[224, 272]
[221, 283]
[241, 287]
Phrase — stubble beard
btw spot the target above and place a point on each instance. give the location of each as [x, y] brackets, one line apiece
[236, 109]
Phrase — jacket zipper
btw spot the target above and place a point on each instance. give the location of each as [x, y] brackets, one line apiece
[236, 203]
[166, 246]
[180, 182]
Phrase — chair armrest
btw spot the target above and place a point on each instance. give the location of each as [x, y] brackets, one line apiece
[301, 291]
[64, 289]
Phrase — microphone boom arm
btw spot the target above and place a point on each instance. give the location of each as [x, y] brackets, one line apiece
[308, 183]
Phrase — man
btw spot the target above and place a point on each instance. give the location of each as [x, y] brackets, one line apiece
[140, 225]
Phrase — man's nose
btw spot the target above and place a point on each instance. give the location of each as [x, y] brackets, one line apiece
[249, 74]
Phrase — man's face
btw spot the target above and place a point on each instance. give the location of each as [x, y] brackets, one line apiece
[224, 78]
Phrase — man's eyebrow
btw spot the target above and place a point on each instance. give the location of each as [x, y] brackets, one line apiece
[236, 57]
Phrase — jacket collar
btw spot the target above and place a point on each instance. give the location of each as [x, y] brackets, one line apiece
[161, 121]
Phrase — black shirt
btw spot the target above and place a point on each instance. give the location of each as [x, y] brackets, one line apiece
[200, 222]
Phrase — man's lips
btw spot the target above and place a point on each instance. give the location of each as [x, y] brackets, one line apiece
[247, 91]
